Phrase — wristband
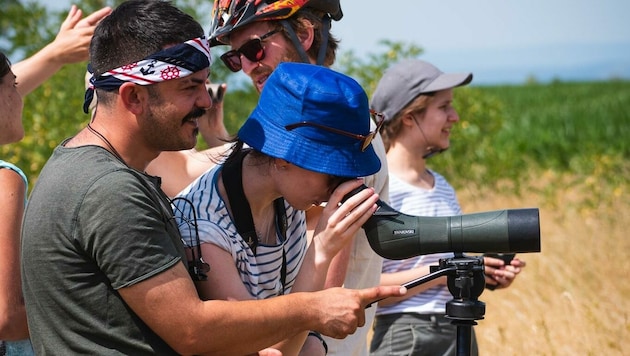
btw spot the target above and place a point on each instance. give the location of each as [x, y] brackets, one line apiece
[317, 335]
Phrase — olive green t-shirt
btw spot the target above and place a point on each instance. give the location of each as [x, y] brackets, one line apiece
[92, 226]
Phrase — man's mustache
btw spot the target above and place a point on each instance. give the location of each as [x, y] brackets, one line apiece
[196, 113]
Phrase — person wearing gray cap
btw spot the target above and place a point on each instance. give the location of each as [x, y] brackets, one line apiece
[416, 99]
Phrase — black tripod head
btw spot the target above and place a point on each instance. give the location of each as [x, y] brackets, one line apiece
[466, 281]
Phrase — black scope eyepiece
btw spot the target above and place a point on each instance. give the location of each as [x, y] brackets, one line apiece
[396, 236]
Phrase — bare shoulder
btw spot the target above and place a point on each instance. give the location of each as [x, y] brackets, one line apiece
[10, 180]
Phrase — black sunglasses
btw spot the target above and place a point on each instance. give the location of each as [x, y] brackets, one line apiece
[253, 50]
[365, 139]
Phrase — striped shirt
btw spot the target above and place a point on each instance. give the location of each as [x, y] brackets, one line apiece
[259, 273]
[412, 200]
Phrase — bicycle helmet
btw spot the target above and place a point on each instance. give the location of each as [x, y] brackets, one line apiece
[229, 15]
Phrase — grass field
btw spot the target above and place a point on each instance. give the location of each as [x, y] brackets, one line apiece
[562, 148]
[573, 297]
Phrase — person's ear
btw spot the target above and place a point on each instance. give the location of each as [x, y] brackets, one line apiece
[280, 163]
[307, 36]
[133, 97]
[407, 119]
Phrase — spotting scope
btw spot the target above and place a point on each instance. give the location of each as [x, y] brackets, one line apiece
[396, 236]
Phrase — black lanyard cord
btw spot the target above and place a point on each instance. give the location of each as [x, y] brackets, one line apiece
[241, 210]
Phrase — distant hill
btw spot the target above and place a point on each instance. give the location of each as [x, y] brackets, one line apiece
[571, 62]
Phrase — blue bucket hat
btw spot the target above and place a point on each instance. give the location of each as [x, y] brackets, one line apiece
[305, 93]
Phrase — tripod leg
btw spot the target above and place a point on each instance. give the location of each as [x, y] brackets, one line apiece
[464, 339]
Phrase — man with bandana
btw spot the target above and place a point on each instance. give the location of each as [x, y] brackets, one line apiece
[104, 267]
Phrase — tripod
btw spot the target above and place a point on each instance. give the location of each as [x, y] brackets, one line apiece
[466, 281]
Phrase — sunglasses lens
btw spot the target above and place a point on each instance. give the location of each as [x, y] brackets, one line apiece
[379, 119]
[368, 139]
[232, 60]
[253, 50]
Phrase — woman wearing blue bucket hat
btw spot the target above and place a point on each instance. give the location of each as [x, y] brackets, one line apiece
[305, 143]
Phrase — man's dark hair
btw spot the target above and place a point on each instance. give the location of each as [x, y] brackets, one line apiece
[137, 29]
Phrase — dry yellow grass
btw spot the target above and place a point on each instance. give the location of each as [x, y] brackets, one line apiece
[573, 298]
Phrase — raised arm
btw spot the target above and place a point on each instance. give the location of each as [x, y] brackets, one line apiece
[69, 46]
[335, 230]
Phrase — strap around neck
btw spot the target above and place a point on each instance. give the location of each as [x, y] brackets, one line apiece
[241, 210]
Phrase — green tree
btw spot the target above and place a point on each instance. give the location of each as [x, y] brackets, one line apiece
[53, 112]
[367, 70]
[480, 114]
[23, 27]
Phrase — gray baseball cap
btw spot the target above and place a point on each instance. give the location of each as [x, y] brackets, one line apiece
[406, 80]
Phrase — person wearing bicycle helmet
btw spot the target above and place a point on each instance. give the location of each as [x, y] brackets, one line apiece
[258, 30]
[104, 267]
[263, 34]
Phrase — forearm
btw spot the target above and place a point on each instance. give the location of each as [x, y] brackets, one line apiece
[12, 311]
[170, 305]
[293, 345]
[314, 269]
[33, 71]
[224, 283]
[399, 278]
[336, 275]
[13, 324]
[268, 320]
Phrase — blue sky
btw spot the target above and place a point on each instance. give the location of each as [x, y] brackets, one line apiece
[500, 41]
